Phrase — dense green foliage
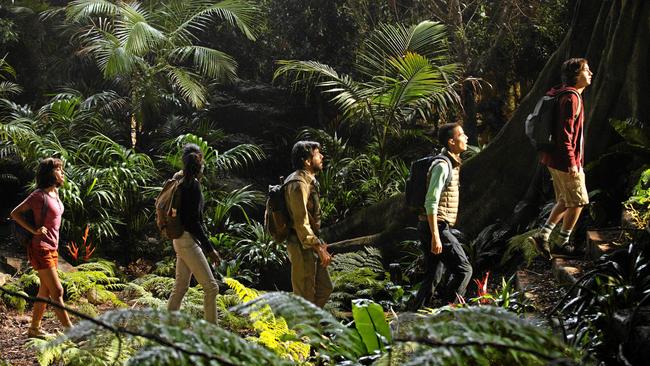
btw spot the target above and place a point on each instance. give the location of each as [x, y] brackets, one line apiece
[115, 88]
[598, 316]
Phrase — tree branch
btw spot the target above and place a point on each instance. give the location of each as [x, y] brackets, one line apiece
[118, 330]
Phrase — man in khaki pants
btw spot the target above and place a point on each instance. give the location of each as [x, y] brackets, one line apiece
[307, 253]
[565, 162]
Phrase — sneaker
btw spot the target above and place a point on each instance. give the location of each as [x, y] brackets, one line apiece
[37, 333]
[540, 244]
[568, 251]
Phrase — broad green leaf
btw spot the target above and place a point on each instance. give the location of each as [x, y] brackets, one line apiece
[370, 321]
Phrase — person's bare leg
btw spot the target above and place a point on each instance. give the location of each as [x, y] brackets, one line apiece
[571, 215]
[50, 278]
[39, 307]
[557, 213]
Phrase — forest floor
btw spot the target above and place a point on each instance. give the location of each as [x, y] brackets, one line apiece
[543, 291]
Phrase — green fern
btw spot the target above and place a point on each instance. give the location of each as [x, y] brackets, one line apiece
[80, 283]
[360, 275]
[133, 291]
[86, 308]
[116, 287]
[244, 293]
[273, 332]
[484, 325]
[105, 351]
[160, 287]
[98, 295]
[313, 325]
[14, 302]
[166, 267]
[369, 258]
[30, 282]
[104, 266]
[87, 339]
[151, 302]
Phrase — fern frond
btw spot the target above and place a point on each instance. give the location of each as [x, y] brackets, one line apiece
[244, 293]
[182, 330]
[486, 327]
[318, 327]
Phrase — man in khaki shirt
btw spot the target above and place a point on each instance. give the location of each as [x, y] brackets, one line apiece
[309, 278]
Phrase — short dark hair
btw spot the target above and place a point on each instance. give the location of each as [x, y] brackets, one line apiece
[45, 172]
[571, 69]
[192, 160]
[446, 132]
[302, 150]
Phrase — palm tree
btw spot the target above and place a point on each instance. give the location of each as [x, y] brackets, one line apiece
[154, 46]
[403, 72]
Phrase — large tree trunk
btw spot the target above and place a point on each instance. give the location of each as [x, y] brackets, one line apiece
[613, 36]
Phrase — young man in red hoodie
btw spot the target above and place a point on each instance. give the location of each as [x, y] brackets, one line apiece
[565, 162]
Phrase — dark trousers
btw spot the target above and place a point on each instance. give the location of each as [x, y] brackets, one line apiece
[452, 260]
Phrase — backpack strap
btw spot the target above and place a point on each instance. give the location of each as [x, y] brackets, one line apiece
[436, 160]
[579, 100]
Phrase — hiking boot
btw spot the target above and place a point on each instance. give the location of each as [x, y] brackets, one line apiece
[541, 245]
[568, 251]
[38, 333]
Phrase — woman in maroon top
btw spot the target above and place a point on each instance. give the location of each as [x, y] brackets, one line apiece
[43, 250]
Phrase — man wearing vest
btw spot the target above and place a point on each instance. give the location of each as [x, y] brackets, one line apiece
[566, 160]
[441, 206]
[309, 278]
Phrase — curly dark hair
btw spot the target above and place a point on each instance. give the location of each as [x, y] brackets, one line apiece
[302, 150]
[45, 172]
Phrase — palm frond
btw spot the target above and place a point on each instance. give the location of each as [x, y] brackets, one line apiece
[210, 62]
[350, 96]
[110, 54]
[239, 13]
[9, 88]
[106, 102]
[393, 41]
[238, 198]
[136, 35]
[188, 85]
[80, 9]
[238, 157]
[6, 68]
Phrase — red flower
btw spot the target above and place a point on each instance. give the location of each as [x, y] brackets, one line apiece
[73, 250]
[482, 288]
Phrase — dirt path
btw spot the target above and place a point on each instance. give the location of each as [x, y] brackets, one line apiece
[13, 337]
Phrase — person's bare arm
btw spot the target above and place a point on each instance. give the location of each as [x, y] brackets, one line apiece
[17, 215]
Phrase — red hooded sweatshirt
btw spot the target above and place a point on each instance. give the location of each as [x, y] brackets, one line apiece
[569, 135]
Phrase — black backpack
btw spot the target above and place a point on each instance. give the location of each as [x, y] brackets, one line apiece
[541, 122]
[416, 184]
[24, 237]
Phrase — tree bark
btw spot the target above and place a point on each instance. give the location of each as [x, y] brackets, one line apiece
[384, 218]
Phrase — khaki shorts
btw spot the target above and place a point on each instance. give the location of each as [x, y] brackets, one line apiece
[570, 190]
